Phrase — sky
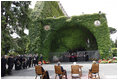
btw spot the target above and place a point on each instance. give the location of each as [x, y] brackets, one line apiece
[109, 7]
[77, 7]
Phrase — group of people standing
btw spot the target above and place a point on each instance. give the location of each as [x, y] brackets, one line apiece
[20, 62]
[73, 57]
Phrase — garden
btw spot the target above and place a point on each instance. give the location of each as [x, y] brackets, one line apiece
[113, 60]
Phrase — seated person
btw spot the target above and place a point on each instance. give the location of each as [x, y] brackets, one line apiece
[94, 62]
[94, 69]
[46, 74]
[75, 70]
[62, 70]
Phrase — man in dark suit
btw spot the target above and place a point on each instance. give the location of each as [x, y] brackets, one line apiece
[17, 63]
[3, 66]
[29, 60]
[45, 73]
[37, 58]
[10, 63]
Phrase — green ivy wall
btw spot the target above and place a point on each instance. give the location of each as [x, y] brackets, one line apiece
[56, 39]
[42, 10]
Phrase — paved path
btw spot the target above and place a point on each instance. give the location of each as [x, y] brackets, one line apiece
[107, 71]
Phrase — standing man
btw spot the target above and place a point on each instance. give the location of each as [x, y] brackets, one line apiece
[3, 66]
[24, 62]
[87, 57]
[72, 57]
[30, 59]
[37, 58]
[21, 60]
[41, 58]
[17, 63]
[10, 64]
[34, 60]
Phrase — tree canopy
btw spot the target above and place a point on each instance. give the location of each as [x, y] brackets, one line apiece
[14, 19]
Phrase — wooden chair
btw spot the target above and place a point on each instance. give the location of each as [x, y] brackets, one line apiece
[59, 72]
[76, 69]
[38, 70]
[94, 72]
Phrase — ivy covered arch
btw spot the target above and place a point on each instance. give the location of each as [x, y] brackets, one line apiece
[85, 22]
[72, 37]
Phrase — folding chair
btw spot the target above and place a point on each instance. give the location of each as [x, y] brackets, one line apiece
[94, 72]
[59, 72]
[76, 69]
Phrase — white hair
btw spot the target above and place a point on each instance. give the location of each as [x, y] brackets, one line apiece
[74, 63]
[94, 62]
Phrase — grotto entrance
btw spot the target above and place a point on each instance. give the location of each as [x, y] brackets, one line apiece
[80, 56]
[74, 40]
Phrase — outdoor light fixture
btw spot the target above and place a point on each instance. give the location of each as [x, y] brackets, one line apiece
[97, 23]
[46, 27]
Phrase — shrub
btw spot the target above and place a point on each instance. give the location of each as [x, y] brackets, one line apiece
[114, 51]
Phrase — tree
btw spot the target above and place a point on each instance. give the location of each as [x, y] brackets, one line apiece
[115, 43]
[14, 19]
[20, 45]
[114, 48]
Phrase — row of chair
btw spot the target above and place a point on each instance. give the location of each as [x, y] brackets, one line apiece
[75, 69]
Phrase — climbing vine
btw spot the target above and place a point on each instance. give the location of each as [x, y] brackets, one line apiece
[86, 22]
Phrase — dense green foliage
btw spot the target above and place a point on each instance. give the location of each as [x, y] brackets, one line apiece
[64, 34]
[42, 10]
[114, 52]
[73, 38]
[101, 33]
[14, 19]
[114, 48]
[45, 9]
